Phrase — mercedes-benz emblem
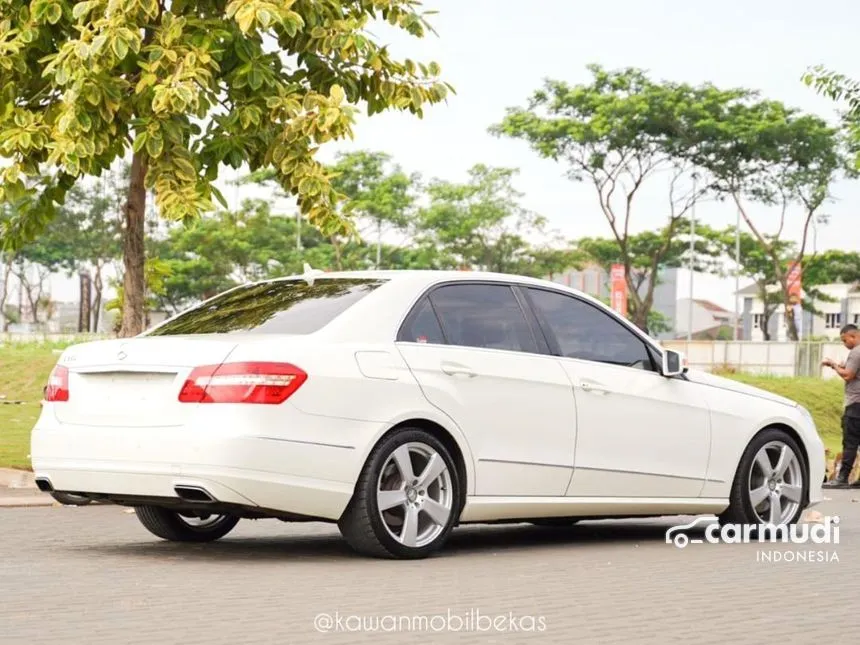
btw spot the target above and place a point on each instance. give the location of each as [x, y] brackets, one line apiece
[122, 355]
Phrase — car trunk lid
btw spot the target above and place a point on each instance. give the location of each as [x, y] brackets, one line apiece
[135, 382]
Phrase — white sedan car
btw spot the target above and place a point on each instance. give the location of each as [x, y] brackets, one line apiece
[400, 404]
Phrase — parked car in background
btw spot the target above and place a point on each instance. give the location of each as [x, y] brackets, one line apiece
[400, 404]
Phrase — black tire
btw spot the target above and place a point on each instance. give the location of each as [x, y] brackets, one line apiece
[741, 510]
[554, 521]
[170, 525]
[67, 499]
[362, 525]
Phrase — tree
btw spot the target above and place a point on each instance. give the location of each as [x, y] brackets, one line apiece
[189, 86]
[85, 235]
[617, 133]
[768, 153]
[227, 248]
[375, 192]
[479, 224]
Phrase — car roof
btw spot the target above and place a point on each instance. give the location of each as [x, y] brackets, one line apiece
[425, 276]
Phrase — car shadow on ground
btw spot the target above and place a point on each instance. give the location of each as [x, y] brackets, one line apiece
[465, 540]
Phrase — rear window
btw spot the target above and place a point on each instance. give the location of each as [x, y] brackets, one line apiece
[281, 307]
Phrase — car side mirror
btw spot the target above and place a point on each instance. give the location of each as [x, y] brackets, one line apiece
[673, 363]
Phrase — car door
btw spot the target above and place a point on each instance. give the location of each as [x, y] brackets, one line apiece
[639, 434]
[480, 358]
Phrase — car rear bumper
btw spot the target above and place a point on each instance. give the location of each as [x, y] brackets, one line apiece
[268, 492]
[309, 472]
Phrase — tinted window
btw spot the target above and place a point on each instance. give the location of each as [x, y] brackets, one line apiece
[585, 332]
[422, 326]
[477, 315]
[280, 307]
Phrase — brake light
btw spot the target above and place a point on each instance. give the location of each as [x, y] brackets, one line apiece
[269, 383]
[58, 385]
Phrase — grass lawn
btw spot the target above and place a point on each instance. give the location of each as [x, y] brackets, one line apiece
[24, 371]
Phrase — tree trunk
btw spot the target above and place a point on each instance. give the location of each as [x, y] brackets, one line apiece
[765, 325]
[4, 292]
[134, 252]
[97, 300]
[337, 254]
[791, 326]
[33, 296]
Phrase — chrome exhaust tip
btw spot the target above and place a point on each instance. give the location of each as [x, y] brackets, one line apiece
[44, 485]
[194, 494]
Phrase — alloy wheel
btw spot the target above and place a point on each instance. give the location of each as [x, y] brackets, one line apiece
[414, 494]
[775, 485]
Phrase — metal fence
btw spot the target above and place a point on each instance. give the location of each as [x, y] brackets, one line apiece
[760, 357]
[13, 338]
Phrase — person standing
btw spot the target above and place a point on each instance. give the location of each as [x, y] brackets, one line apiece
[848, 372]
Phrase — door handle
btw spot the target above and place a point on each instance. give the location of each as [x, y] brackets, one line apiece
[594, 389]
[456, 369]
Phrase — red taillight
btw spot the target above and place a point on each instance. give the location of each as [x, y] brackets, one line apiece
[58, 385]
[270, 383]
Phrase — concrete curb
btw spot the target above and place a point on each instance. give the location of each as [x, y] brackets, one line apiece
[28, 501]
[11, 478]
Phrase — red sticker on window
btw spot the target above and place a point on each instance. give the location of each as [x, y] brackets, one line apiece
[422, 339]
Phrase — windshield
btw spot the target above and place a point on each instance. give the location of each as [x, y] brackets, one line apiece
[279, 307]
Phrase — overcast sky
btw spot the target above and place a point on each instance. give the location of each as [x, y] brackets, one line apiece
[497, 52]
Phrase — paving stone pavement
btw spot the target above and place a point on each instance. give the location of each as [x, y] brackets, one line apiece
[94, 575]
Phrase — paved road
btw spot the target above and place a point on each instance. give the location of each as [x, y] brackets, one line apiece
[93, 575]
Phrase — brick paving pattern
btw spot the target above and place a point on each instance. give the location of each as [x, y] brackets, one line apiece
[94, 576]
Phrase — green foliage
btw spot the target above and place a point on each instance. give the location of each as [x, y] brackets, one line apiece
[156, 274]
[189, 88]
[374, 190]
[85, 231]
[480, 225]
[842, 89]
[832, 266]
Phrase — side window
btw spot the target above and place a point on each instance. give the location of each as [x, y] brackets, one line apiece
[585, 332]
[421, 326]
[480, 315]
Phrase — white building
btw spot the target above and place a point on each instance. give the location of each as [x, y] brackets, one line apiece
[709, 320]
[843, 309]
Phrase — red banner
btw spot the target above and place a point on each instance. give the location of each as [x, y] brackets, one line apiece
[795, 282]
[619, 289]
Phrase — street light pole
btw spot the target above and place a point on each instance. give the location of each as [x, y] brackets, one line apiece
[737, 273]
[692, 254]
